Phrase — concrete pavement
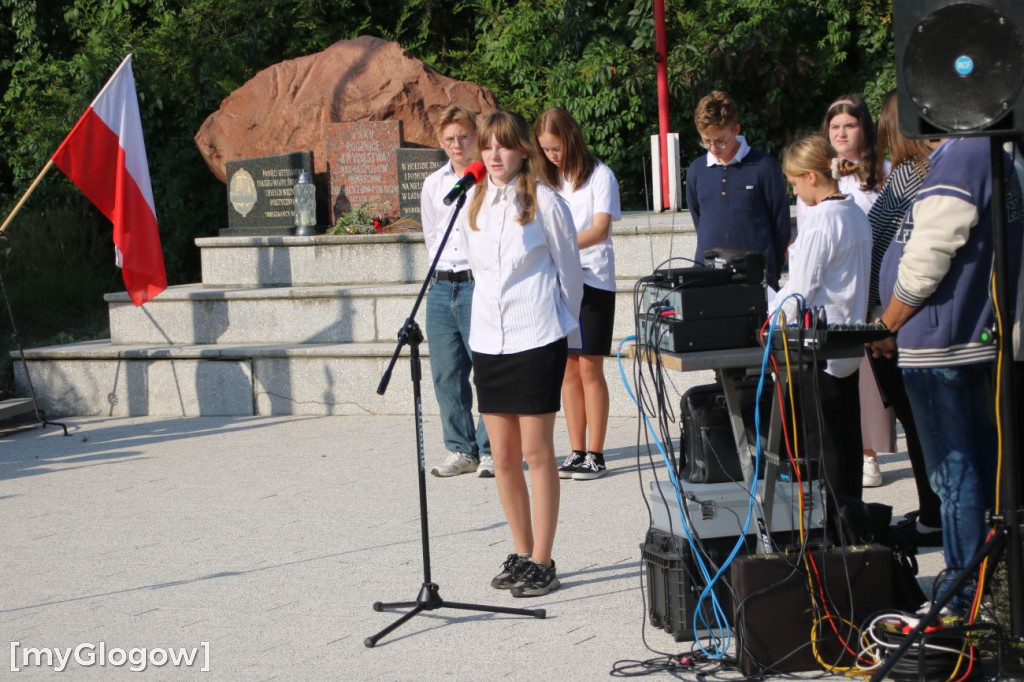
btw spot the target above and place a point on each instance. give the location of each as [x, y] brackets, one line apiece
[269, 538]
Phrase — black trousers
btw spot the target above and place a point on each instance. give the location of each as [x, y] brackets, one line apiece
[831, 428]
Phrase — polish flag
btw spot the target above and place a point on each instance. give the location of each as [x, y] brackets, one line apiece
[105, 156]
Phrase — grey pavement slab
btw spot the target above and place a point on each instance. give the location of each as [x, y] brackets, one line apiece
[269, 538]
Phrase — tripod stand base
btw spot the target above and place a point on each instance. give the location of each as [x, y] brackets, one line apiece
[429, 599]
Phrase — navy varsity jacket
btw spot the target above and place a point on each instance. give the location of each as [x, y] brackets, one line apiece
[940, 260]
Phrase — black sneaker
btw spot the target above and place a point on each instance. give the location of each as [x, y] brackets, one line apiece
[571, 464]
[513, 568]
[536, 581]
[591, 467]
[909, 531]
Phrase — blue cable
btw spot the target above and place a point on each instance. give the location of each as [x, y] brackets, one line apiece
[708, 591]
[721, 634]
[758, 451]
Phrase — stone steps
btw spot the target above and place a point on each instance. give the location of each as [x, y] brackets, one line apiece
[97, 378]
[15, 407]
[366, 313]
[642, 241]
[293, 325]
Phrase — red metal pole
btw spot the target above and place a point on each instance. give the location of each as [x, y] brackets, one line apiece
[661, 67]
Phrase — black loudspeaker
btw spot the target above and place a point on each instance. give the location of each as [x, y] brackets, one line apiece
[959, 67]
[773, 609]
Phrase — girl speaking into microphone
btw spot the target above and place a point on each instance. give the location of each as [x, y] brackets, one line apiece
[521, 245]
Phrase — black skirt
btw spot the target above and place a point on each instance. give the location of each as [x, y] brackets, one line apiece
[597, 319]
[529, 382]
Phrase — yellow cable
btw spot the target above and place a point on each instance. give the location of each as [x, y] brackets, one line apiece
[850, 671]
[816, 625]
[983, 568]
[792, 399]
[1000, 337]
[792, 404]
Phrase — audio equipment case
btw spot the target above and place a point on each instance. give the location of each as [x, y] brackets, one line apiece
[774, 614]
[707, 452]
[716, 333]
[707, 302]
[719, 510]
[674, 584]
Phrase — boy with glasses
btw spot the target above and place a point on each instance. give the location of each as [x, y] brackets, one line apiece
[449, 302]
[736, 194]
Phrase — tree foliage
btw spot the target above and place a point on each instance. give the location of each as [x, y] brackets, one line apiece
[783, 61]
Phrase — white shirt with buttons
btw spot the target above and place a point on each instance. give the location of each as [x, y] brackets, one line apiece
[435, 216]
[599, 194]
[529, 282]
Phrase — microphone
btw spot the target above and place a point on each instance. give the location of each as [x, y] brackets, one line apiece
[474, 173]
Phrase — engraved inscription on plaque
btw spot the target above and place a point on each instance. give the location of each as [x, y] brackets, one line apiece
[414, 165]
[260, 190]
[362, 158]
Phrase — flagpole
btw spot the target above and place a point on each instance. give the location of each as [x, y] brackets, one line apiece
[25, 196]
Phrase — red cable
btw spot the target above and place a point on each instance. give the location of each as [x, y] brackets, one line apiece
[796, 474]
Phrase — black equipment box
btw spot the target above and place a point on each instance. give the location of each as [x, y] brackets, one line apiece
[830, 336]
[674, 583]
[694, 276]
[774, 614]
[746, 266]
[708, 448]
[716, 333]
[703, 302]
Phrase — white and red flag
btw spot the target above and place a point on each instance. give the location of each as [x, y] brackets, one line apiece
[105, 156]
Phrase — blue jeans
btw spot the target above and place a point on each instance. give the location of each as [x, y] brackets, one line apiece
[449, 305]
[952, 412]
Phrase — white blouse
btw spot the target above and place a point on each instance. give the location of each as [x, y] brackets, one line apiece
[599, 194]
[434, 216]
[529, 282]
[830, 265]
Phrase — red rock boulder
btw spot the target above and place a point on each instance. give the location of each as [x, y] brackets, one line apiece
[283, 107]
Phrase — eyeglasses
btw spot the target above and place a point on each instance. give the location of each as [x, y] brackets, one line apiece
[720, 143]
[462, 140]
[717, 144]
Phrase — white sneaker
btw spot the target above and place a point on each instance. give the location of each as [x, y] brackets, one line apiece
[946, 613]
[486, 469]
[457, 463]
[872, 473]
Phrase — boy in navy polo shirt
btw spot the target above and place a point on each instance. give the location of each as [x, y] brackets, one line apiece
[736, 194]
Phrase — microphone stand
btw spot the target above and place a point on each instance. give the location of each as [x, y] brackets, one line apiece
[429, 597]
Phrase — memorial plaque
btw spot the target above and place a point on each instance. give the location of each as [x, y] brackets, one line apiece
[362, 159]
[414, 165]
[260, 192]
